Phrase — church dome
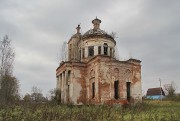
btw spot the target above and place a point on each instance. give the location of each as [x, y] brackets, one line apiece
[96, 32]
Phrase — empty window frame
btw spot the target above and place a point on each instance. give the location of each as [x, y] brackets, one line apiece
[80, 54]
[83, 52]
[93, 89]
[99, 50]
[116, 89]
[91, 51]
[105, 48]
[68, 95]
[128, 87]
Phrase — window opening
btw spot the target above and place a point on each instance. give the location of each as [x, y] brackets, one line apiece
[91, 50]
[80, 54]
[105, 48]
[116, 89]
[93, 89]
[128, 85]
[83, 53]
[68, 94]
[99, 50]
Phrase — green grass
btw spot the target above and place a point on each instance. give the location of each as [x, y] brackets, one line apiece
[147, 111]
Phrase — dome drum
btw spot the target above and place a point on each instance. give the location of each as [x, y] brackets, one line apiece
[94, 42]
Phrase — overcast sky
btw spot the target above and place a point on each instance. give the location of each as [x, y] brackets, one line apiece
[148, 30]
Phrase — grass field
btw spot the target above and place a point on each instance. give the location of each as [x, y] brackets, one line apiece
[147, 111]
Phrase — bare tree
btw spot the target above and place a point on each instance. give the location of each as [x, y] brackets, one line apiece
[55, 95]
[170, 89]
[63, 52]
[113, 35]
[7, 55]
[9, 85]
[36, 95]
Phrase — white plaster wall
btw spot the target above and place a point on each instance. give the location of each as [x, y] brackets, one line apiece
[76, 86]
[137, 92]
[76, 91]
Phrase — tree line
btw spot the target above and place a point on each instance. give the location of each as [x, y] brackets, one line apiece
[9, 84]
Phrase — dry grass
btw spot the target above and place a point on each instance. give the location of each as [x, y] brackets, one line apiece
[147, 111]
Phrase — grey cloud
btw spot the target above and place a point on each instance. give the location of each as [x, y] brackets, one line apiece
[148, 30]
[152, 35]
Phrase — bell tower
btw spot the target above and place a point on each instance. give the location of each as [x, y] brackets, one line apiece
[73, 46]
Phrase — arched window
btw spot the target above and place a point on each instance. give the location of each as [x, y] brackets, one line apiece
[116, 73]
[105, 49]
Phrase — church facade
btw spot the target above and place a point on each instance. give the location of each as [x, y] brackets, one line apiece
[92, 74]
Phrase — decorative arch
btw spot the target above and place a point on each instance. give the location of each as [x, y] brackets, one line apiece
[127, 75]
[92, 73]
[116, 73]
[116, 70]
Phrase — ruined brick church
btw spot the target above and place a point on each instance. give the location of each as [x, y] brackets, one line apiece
[92, 74]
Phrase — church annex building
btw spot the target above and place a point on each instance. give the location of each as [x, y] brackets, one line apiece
[92, 74]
